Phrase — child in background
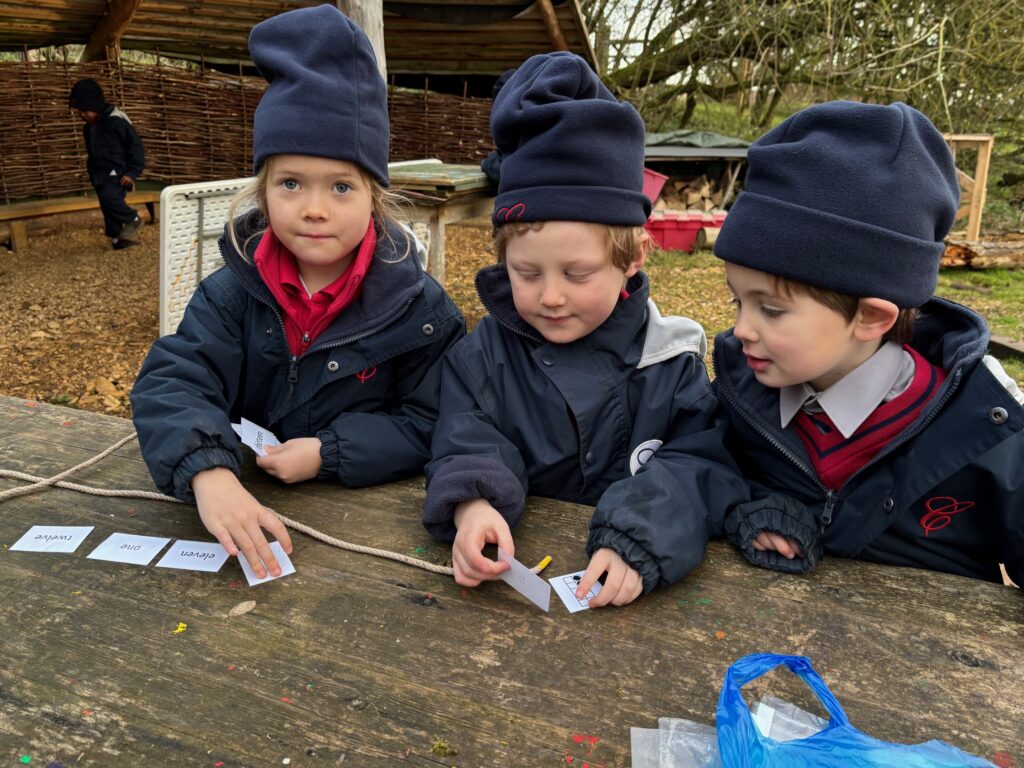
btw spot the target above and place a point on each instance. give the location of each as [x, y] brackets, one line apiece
[115, 159]
[574, 386]
[848, 386]
[322, 326]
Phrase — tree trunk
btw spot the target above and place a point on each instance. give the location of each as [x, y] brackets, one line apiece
[369, 14]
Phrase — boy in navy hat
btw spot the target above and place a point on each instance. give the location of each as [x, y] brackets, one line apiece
[847, 385]
[574, 386]
[115, 158]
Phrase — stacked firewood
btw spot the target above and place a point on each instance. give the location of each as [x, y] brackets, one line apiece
[690, 193]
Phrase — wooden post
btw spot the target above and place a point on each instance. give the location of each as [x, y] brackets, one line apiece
[982, 142]
[19, 236]
[369, 15]
[106, 35]
[547, 13]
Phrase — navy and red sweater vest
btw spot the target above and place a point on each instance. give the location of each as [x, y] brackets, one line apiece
[835, 458]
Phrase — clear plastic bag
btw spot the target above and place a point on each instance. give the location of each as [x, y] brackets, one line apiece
[837, 745]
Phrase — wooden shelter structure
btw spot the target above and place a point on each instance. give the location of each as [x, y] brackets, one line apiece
[193, 104]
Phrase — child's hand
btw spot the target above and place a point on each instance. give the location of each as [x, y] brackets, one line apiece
[235, 518]
[622, 586]
[478, 523]
[293, 461]
[767, 541]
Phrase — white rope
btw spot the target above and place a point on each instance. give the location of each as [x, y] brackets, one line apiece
[58, 481]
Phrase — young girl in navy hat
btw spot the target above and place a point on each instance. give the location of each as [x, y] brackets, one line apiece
[322, 326]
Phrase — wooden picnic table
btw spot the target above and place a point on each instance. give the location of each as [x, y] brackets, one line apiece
[361, 661]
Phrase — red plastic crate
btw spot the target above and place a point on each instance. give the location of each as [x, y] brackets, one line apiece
[653, 183]
[675, 231]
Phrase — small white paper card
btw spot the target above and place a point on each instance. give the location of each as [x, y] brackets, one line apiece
[52, 538]
[282, 559]
[525, 581]
[565, 588]
[257, 437]
[128, 548]
[194, 556]
[238, 429]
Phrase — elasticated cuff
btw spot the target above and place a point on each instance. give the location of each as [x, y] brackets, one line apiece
[199, 461]
[330, 455]
[788, 519]
[636, 557]
[464, 478]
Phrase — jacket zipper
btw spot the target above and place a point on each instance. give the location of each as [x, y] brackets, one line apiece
[832, 496]
[293, 360]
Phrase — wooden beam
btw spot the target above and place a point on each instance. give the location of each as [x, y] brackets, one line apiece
[106, 36]
[547, 12]
[369, 15]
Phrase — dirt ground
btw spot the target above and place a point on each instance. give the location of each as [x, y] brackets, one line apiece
[78, 317]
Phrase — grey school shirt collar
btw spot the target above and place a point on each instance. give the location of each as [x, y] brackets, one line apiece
[849, 402]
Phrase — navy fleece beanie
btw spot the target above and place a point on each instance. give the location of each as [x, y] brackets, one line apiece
[852, 197]
[570, 150]
[87, 95]
[325, 95]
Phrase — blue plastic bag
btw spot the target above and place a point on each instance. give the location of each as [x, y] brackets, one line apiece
[839, 745]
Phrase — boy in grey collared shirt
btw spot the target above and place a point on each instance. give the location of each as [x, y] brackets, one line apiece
[847, 385]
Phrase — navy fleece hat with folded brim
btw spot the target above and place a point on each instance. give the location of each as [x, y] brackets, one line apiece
[87, 95]
[570, 150]
[325, 96]
[852, 197]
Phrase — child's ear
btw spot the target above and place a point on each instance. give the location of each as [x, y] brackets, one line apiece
[641, 255]
[874, 318]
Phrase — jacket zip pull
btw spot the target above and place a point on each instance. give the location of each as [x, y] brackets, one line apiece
[826, 515]
[293, 370]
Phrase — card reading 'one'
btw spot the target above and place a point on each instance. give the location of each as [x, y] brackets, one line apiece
[129, 548]
[52, 538]
[257, 437]
[525, 581]
[565, 588]
[282, 559]
[194, 556]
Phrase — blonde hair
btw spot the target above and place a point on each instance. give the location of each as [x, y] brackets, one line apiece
[388, 208]
[902, 331]
[624, 242]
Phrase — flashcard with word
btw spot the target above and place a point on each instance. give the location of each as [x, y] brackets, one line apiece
[283, 560]
[565, 588]
[194, 556]
[129, 548]
[524, 581]
[52, 538]
[257, 437]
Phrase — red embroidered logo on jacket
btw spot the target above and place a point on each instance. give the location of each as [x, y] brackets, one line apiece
[940, 511]
[366, 374]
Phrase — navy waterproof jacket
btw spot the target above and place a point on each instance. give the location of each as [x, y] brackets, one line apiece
[112, 144]
[947, 494]
[367, 387]
[623, 419]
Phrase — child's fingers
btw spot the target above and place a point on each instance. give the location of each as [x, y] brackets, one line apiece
[610, 588]
[222, 535]
[263, 550]
[591, 575]
[272, 523]
[632, 586]
[782, 545]
[250, 553]
[761, 542]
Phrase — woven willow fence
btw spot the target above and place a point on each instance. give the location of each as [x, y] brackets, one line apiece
[196, 125]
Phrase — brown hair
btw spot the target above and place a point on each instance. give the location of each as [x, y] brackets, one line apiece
[388, 207]
[902, 331]
[624, 243]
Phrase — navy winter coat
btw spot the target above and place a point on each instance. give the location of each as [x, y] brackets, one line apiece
[947, 494]
[112, 144]
[576, 421]
[367, 387]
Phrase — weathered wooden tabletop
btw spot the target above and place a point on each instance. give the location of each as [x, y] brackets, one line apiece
[360, 661]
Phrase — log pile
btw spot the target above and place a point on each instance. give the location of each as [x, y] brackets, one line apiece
[691, 193]
[1006, 253]
[195, 124]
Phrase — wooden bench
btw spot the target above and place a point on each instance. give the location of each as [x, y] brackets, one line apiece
[17, 213]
